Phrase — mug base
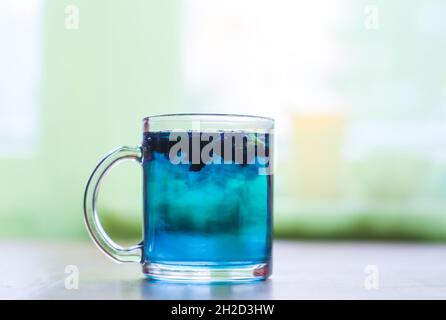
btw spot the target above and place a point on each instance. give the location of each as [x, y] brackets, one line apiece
[207, 273]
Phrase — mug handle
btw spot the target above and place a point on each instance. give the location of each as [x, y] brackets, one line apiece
[97, 232]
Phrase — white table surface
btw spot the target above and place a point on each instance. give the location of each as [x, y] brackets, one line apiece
[302, 270]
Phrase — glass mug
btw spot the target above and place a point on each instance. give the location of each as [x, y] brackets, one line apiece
[208, 198]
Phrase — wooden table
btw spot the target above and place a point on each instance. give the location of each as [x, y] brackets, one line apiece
[302, 270]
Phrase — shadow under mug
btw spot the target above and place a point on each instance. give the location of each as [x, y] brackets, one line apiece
[207, 195]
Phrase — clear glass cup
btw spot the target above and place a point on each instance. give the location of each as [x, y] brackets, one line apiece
[207, 194]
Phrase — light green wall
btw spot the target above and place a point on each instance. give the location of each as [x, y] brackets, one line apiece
[123, 63]
[97, 84]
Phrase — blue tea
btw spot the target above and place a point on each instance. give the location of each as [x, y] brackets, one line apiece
[207, 199]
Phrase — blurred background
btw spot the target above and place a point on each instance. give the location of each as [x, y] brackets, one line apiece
[357, 88]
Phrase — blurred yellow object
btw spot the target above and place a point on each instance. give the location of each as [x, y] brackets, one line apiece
[317, 139]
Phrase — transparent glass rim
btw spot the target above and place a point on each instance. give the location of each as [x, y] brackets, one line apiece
[207, 122]
[190, 115]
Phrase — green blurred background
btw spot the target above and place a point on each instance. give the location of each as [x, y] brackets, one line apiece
[357, 89]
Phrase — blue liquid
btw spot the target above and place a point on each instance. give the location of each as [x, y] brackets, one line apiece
[205, 214]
